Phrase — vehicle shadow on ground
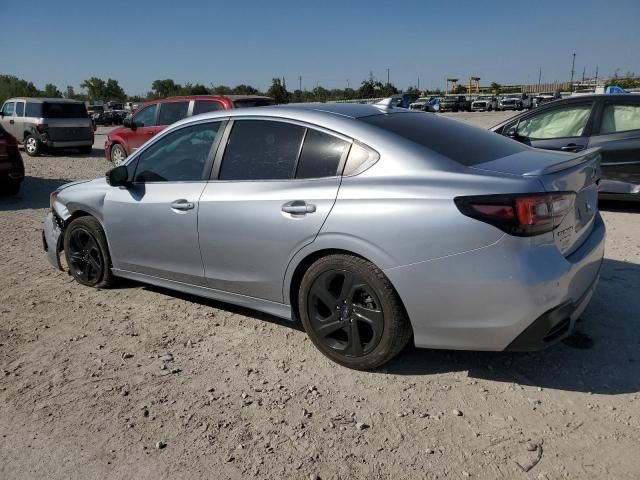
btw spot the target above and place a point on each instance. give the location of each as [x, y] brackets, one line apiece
[602, 356]
[34, 193]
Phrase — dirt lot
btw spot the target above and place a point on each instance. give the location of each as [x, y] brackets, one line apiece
[84, 394]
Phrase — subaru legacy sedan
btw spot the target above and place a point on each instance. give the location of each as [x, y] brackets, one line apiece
[373, 226]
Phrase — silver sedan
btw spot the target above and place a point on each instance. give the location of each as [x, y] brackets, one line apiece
[373, 226]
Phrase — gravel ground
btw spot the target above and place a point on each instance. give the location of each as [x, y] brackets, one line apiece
[86, 393]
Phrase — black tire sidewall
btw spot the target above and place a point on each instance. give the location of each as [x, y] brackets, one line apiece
[90, 225]
[383, 290]
[38, 146]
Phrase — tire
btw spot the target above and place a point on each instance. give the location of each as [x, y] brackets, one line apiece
[490, 108]
[117, 154]
[32, 146]
[364, 305]
[87, 254]
[85, 150]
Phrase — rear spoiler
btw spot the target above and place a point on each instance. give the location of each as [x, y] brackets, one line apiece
[584, 157]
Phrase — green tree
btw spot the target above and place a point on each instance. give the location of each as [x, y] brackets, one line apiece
[113, 91]
[51, 91]
[278, 91]
[95, 88]
[243, 89]
[367, 89]
[165, 88]
[12, 86]
[220, 90]
[196, 89]
[495, 87]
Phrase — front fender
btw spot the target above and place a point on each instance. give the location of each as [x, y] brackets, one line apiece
[52, 240]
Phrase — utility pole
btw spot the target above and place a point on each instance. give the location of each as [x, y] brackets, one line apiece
[596, 83]
[300, 82]
[388, 69]
[418, 82]
[573, 66]
[584, 70]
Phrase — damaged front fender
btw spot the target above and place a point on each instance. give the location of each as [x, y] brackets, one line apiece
[52, 240]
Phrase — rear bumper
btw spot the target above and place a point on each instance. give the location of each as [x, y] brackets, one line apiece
[486, 298]
[69, 144]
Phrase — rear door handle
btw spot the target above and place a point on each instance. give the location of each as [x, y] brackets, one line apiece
[572, 147]
[182, 204]
[298, 207]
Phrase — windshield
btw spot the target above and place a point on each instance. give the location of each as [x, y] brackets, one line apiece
[64, 110]
[512, 96]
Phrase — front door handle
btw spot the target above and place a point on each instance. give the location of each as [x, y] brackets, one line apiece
[151, 132]
[298, 207]
[572, 147]
[11, 122]
[182, 204]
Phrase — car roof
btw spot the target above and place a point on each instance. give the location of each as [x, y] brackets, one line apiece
[43, 99]
[209, 97]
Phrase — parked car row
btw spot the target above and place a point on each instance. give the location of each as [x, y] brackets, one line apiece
[110, 117]
[11, 166]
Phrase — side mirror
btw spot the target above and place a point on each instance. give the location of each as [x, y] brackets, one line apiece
[118, 177]
[129, 123]
[513, 133]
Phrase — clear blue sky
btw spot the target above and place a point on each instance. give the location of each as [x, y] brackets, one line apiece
[327, 42]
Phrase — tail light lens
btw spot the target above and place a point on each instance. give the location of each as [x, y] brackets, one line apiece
[520, 215]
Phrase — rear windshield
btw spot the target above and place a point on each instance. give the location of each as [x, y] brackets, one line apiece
[64, 110]
[458, 141]
[253, 102]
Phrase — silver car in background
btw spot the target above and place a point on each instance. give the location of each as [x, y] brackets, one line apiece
[373, 226]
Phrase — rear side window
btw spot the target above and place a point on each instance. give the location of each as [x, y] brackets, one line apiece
[460, 142]
[261, 150]
[204, 106]
[20, 109]
[33, 110]
[321, 155]
[172, 112]
[64, 110]
[620, 118]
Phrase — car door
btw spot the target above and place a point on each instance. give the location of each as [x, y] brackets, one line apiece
[152, 225]
[618, 133]
[565, 127]
[18, 118]
[273, 188]
[144, 127]
[7, 118]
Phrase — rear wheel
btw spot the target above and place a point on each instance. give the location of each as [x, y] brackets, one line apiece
[87, 254]
[352, 313]
[32, 146]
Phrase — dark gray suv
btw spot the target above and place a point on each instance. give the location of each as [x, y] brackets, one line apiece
[40, 123]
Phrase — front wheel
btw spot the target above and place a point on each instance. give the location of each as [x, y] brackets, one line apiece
[352, 313]
[118, 154]
[87, 254]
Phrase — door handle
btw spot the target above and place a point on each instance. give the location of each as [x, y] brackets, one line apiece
[572, 147]
[298, 207]
[151, 133]
[11, 122]
[182, 204]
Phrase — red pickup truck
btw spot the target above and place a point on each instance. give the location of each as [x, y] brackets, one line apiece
[153, 117]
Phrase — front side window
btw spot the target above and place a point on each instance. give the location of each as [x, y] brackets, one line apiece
[204, 106]
[172, 112]
[261, 150]
[179, 156]
[321, 155]
[8, 108]
[562, 122]
[20, 109]
[620, 118]
[146, 117]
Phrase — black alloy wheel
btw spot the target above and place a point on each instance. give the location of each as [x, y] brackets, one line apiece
[345, 313]
[85, 259]
[351, 312]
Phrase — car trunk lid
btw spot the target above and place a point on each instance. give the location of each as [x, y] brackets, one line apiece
[560, 172]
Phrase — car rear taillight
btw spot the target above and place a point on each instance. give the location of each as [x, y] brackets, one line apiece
[8, 140]
[522, 215]
[42, 127]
